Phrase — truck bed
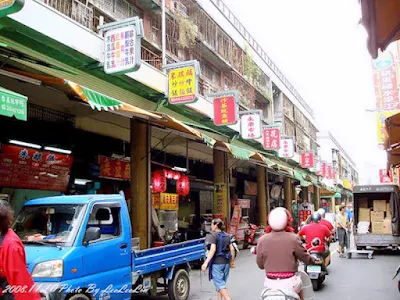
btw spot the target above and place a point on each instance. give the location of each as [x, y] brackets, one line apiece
[159, 258]
[377, 240]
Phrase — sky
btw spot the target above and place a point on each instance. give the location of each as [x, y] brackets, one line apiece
[321, 48]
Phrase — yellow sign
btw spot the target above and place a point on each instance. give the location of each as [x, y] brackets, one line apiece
[220, 200]
[169, 201]
[347, 184]
[182, 85]
[380, 123]
[155, 198]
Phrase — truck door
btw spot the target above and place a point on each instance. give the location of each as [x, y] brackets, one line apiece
[107, 260]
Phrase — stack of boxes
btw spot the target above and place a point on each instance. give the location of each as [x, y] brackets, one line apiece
[380, 217]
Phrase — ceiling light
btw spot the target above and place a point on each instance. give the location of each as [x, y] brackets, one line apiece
[25, 144]
[58, 150]
[179, 169]
[81, 181]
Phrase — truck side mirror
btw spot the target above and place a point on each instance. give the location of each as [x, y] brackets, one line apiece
[91, 234]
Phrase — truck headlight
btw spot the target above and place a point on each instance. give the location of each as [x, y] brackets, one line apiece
[48, 269]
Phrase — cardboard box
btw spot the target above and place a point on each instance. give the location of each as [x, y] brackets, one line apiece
[379, 205]
[377, 216]
[387, 226]
[364, 214]
[363, 203]
[377, 227]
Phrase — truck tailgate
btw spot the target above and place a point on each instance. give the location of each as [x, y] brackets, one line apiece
[156, 259]
[377, 240]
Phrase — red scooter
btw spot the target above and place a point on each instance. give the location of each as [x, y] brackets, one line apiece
[252, 235]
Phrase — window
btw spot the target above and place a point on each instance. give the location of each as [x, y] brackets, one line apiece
[288, 108]
[108, 219]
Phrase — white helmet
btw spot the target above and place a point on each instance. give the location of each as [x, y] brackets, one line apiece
[278, 219]
[321, 211]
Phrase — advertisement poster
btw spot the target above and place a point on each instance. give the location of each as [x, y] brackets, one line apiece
[220, 200]
[28, 168]
[234, 224]
[169, 201]
[114, 168]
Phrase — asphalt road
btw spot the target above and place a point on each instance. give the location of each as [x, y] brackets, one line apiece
[358, 278]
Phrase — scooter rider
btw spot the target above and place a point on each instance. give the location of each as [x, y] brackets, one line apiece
[316, 230]
[278, 252]
[325, 222]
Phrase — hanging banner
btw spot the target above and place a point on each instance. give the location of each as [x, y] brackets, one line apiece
[226, 107]
[169, 201]
[384, 177]
[307, 159]
[114, 168]
[220, 200]
[234, 224]
[122, 46]
[317, 166]
[324, 170]
[380, 123]
[28, 168]
[287, 148]
[183, 82]
[251, 124]
[271, 138]
[330, 172]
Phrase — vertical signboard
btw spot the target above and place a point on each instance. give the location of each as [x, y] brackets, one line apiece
[380, 123]
[330, 171]
[220, 200]
[251, 125]
[183, 81]
[122, 46]
[287, 147]
[384, 177]
[271, 138]
[226, 108]
[324, 169]
[307, 159]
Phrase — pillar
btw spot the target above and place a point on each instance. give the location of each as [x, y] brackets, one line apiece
[287, 190]
[304, 190]
[221, 186]
[316, 197]
[140, 182]
[261, 196]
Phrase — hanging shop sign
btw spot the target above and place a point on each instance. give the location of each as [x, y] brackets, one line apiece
[287, 147]
[220, 200]
[183, 82]
[307, 159]
[155, 199]
[226, 107]
[8, 7]
[116, 169]
[330, 172]
[317, 166]
[122, 45]
[271, 138]
[384, 177]
[324, 169]
[169, 201]
[13, 104]
[251, 124]
[28, 168]
[380, 123]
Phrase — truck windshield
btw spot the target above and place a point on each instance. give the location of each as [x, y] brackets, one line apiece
[49, 224]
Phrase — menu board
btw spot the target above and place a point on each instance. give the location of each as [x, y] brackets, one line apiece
[27, 168]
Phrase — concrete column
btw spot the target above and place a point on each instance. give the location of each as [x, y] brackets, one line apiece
[287, 190]
[316, 197]
[305, 193]
[221, 199]
[140, 181]
[261, 196]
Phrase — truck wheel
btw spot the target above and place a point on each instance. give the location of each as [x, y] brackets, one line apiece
[79, 297]
[179, 286]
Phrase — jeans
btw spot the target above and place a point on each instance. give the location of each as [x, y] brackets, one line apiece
[220, 275]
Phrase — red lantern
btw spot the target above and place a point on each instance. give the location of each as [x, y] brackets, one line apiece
[177, 175]
[170, 174]
[183, 186]
[159, 182]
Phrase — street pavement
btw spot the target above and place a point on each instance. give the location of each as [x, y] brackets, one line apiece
[358, 278]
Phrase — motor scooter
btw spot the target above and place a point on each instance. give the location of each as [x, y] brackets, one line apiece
[316, 271]
[252, 235]
[395, 275]
[281, 294]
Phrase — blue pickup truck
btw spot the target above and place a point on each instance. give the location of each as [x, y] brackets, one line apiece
[80, 248]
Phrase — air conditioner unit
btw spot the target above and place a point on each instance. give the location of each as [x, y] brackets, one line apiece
[178, 6]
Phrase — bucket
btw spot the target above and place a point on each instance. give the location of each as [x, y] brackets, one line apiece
[306, 284]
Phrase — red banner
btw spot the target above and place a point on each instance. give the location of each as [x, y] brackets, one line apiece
[114, 168]
[272, 138]
[28, 168]
[330, 172]
[225, 110]
[384, 177]
[324, 169]
[307, 160]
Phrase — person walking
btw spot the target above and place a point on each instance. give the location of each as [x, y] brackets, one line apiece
[15, 281]
[221, 258]
[342, 229]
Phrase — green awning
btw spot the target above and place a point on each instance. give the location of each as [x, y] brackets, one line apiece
[337, 195]
[240, 153]
[13, 104]
[299, 176]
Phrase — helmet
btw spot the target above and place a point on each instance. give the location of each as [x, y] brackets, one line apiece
[315, 217]
[278, 219]
[321, 211]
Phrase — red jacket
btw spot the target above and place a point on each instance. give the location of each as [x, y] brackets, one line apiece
[13, 268]
[288, 228]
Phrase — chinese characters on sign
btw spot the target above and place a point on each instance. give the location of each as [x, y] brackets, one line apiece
[287, 147]
[122, 50]
[220, 200]
[330, 172]
[384, 177]
[385, 80]
[13, 104]
[114, 168]
[380, 123]
[234, 224]
[244, 203]
[250, 125]
[34, 169]
[169, 201]
[324, 171]
[155, 198]
[225, 110]
[307, 159]
[271, 138]
[183, 82]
